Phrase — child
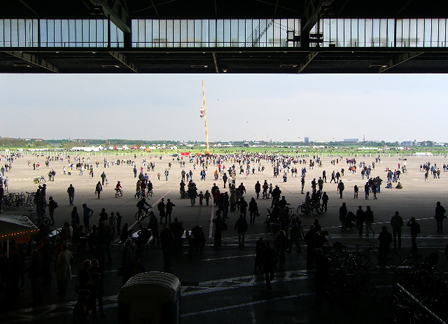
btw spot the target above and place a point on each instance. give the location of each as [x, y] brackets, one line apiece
[201, 197]
[207, 197]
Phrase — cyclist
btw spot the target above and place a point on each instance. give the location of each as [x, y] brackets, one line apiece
[118, 188]
[182, 187]
[282, 203]
[308, 202]
[141, 206]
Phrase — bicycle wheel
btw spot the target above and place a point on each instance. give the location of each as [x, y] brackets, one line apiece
[316, 210]
[46, 221]
[266, 226]
[301, 211]
[275, 228]
[137, 216]
[393, 259]
[364, 259]
[387, 307]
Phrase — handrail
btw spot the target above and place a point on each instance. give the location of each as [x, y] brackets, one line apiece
[437, 318]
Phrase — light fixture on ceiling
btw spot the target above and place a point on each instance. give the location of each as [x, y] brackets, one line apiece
[199, 66]
[105, 66]
[25, 65]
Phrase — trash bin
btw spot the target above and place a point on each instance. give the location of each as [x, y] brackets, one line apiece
[150, 298]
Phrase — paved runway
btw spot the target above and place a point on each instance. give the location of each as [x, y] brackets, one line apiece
[220, 284]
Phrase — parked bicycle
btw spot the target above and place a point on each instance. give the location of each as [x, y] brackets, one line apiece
[369, 257]
[39, 180]
[315, 208]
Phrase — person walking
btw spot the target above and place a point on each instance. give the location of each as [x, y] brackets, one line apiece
[397, 223]
[35, 274]
[360, 218]
[71, 194]
[253, 210]
[384, 239]
[98, 189]
[241, 228]
[439, 216]
[310, 245]
[259, 248]
[415, 230]
[281, 244]
[369, 221]
[295, 233]
[64, 269]
[154, 227]
[220, 225]
[103, 178]
[161, 209]
[269, 260]
[86, 214]
[321, 276]
[52, 205]
[257, 189]
[169, 210]
[97, 287]
[341, 188]
[167, 243]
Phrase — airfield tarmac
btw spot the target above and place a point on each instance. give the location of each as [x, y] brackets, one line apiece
[220, 285]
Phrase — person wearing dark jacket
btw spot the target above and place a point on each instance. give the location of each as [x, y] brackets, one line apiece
[241, 227]
[167, 243]
[220, 225]
[269, 260]
[35, 274]
[253, 210]
[415, 230]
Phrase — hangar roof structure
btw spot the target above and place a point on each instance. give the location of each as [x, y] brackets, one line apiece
[223, 36]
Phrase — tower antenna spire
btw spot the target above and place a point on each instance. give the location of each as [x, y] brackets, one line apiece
[207, 151]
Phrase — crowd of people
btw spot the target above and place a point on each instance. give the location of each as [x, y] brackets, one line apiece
[170, 236]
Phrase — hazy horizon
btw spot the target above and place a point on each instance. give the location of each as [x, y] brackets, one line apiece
[263, 107]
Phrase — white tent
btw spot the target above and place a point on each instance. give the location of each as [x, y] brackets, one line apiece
[13, 226]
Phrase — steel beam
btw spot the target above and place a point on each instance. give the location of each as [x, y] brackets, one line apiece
[399, 59]
[403, 7]
[308, 60]
[125, 60]
[216, 62]
[155, 9]
[311, 14]
[29, 7]
[35, 60]
[117, 13]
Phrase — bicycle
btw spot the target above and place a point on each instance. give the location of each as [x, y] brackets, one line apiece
[118, 193]
[142, 214]
[315, 208]
[29, 202]
[138, 194]
[34, 217]
[271, 226]
[39, 180]
[369, 257]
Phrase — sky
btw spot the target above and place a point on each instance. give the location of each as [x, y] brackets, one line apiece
[239, 107]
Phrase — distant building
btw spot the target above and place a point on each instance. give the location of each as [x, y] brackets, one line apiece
[351, 140]
[306, 140]
[407, 143]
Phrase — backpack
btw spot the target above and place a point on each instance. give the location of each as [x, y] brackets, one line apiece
[223, 226]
